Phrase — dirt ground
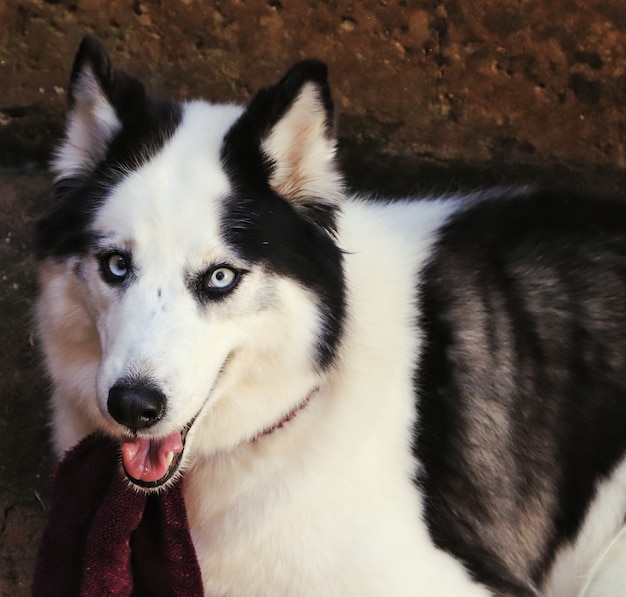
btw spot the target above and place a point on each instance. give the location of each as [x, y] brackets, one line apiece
[24, 464]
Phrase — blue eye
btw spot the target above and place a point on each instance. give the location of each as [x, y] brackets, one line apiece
[217, 282]
[114, 267]
[221, 278]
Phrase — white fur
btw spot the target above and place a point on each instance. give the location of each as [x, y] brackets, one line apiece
[594, 564]
[325, 505]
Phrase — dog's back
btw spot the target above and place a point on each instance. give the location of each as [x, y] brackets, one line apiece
[522, 381]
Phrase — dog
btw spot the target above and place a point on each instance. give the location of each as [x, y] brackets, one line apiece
[421, 396]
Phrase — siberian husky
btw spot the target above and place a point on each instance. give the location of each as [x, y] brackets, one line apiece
[362, 396]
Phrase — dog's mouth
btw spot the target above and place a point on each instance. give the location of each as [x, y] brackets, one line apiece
[149, 463]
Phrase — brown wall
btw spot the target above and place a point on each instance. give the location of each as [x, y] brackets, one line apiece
[426, 89]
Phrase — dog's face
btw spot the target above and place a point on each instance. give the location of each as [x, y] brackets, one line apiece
[190, 281]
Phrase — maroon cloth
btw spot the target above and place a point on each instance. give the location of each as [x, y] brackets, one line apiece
[104, 539]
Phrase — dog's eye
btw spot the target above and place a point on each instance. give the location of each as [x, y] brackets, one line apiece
[115, 267]
[216, 282]
[221, 278]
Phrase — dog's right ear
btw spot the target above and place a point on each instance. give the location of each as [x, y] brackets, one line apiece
[95, 94]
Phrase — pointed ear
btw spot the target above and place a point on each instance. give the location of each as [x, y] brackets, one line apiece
[300, 143]
[285, 140]
[92, 118]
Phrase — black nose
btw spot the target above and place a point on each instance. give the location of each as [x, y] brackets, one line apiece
[137, 406]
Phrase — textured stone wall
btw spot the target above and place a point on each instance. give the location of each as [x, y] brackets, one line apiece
[533, 88]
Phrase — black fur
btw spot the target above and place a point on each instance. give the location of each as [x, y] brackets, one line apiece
[522, 383]
[262, 226]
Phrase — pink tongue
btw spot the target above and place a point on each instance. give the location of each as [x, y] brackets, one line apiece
[149, 460]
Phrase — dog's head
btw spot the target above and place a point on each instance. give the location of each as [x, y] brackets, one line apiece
[191, 284]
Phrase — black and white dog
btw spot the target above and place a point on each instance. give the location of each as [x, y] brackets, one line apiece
[364, 397]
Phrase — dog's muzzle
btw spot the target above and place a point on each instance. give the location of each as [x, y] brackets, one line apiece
[148, 462]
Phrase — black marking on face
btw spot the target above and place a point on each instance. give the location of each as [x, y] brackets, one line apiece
[262, 227]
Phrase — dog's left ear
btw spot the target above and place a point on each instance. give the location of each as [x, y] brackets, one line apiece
[101, 101]
[286, 138]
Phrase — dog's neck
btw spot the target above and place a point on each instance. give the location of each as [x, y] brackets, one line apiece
[288, 417]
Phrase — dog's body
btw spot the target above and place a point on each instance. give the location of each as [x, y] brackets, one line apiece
[364, 397]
